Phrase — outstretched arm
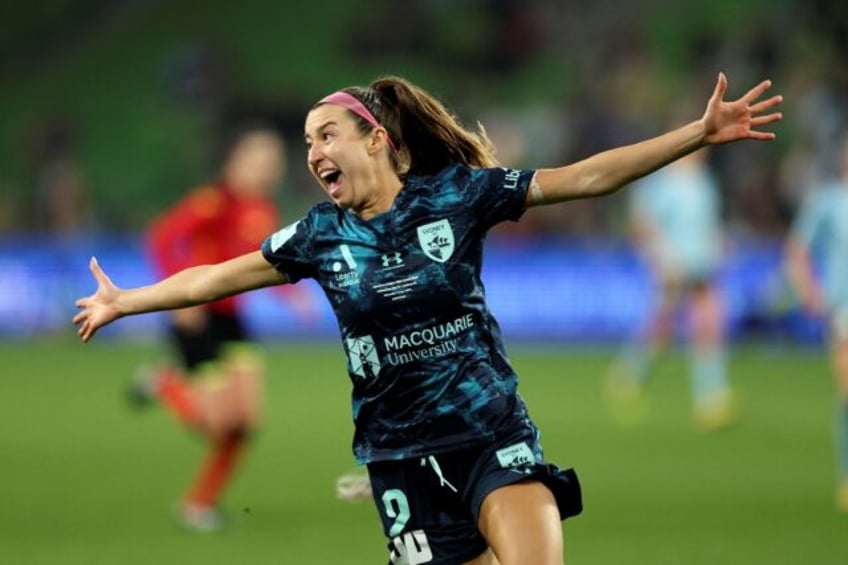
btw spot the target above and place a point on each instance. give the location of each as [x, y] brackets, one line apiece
[608, 171]
[192, 286]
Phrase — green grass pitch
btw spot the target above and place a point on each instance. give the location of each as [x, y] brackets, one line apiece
[85, 480]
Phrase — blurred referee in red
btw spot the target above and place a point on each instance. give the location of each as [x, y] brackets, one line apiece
[216, 386]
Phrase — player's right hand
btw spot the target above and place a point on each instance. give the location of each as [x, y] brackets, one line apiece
[100, 308]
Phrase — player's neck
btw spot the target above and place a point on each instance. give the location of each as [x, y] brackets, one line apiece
[384, 194]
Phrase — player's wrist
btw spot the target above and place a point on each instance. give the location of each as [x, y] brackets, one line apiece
[701, 133]
[124, 303]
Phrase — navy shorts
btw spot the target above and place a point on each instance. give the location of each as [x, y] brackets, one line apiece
[429, 506]
[206, 345]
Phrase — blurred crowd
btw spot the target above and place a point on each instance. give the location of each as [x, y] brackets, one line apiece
[605, 73]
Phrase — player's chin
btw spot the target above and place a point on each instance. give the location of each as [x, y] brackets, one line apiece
[340, 199]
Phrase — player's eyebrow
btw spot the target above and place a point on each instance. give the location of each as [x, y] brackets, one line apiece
[320, 128]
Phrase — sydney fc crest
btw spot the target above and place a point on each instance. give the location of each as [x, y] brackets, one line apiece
[436, 239]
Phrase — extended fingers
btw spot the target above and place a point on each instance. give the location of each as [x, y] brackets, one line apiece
[83, 329]
[767, 119]
[761, 135]
[756, 92]
[86, 331]
[720, 87]
[762, 120]
[81, 316]
[759, 121]
[98, 273]
[83, 320]
[764, 105]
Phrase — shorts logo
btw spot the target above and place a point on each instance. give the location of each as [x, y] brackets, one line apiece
[362, 356]
[436, 240]
[517, 455]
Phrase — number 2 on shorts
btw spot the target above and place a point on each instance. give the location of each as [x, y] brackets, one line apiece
[397, 507]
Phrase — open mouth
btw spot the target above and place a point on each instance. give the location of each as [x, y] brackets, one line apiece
[332, 180]
[331, 177]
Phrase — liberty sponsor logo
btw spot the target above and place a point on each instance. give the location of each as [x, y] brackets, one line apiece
[362, 356]
[517, 455]
[345, 274]
[281, 237]
[436, 240]
[511, 178]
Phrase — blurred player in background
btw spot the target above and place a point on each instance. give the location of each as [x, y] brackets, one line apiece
[819, 237]
[675, 222]
[453, 456]
[216, 386]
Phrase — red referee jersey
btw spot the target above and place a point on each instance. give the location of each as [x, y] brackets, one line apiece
[210, 225]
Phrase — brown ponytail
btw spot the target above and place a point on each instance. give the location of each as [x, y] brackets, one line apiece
[428, 136]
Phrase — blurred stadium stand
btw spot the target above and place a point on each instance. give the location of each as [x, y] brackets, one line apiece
[562, 290]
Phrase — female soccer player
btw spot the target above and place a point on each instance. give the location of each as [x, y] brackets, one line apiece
[454, 461]
[675, 220]
[821, 231]
[216, 387]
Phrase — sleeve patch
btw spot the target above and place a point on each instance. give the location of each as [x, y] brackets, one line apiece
[281, 237]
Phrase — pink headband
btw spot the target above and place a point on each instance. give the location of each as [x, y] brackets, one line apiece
[348, 101]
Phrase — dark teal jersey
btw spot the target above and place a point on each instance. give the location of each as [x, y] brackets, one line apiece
[425, 355]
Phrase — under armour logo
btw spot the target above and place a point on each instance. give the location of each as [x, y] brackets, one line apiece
[392, 259]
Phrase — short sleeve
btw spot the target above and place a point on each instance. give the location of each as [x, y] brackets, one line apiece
[498, 194]
[288, 250]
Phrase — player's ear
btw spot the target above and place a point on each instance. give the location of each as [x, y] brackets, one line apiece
[377, 140]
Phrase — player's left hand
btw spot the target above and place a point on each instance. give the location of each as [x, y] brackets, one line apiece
[740, 119]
